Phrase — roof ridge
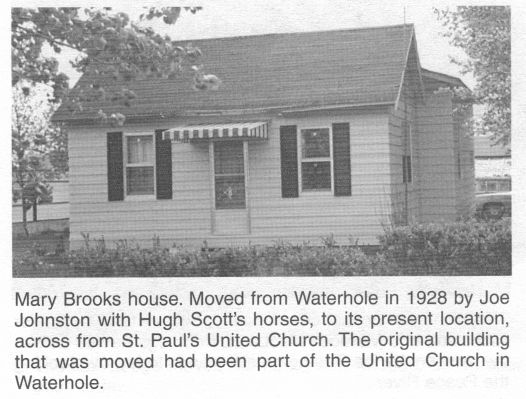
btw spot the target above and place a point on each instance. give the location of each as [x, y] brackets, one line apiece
[385, 27]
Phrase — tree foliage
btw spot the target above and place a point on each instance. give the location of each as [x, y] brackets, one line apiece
[108, 44]
[484, 34]
[39, 148]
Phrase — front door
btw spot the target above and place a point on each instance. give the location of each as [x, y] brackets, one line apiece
[229, 177]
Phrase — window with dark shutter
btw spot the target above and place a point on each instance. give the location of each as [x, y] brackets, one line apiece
[407, 172]
[289, 161]
[163, 165]
[341, 144]
[115, 166]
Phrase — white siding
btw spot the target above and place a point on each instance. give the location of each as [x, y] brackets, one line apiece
[406, 205]
[186, 219]
[465, 185]
[438, 161]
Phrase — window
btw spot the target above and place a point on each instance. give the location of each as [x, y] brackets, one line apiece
[407, 167]
[491, 186]
[505, 185]
[229, 171]
[316, 160]
[407, 172]
[140, 165]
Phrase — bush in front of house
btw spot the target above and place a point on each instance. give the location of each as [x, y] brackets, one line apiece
[460, 248]
[125, 259]
[281, 259]
[328, 260]
[457, 248]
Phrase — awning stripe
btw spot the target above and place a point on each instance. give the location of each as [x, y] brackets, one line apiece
[257, 130]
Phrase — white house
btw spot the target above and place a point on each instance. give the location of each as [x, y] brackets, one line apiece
[337, 132]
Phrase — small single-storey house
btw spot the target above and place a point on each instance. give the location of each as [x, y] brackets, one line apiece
[310, 134]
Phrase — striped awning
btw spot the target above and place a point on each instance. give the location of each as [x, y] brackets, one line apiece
[243, 130]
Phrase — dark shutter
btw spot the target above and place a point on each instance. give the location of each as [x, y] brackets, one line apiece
[163, 164]
[341, 145]
[115, 167]
[407, 173]
[289, 161]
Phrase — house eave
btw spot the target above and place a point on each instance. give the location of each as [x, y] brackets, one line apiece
[450, 80]
[278, 111]
[340, 107]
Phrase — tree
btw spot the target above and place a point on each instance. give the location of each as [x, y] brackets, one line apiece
[108, 44]
[484, 34]
[39, 148]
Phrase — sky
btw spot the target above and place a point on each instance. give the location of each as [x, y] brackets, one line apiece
[222, 18]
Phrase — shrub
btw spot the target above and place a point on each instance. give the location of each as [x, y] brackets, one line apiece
[463, 248]
[95, 259]
[459, 248]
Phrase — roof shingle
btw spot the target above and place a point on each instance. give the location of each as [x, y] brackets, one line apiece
[277, 70]
[486, 147]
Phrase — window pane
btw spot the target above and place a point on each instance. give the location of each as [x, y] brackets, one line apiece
[230, 192]
[491, 186]
[140, 149]
[139, 180]
[505, 185]
[315, 143]
[228, 158]
[316, 175]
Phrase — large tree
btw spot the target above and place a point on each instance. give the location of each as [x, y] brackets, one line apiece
[39, 148]
[484, 33]
[108, 43]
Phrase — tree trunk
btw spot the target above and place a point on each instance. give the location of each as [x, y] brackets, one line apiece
[24, 216]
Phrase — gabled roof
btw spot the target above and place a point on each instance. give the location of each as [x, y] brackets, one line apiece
[313, 69]
[412, 73]
[434, 80]
[485, 147]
